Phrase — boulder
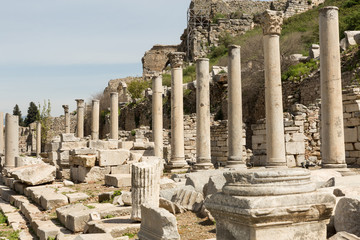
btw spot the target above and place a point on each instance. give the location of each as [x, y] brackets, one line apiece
[35, 174]
[347, 215]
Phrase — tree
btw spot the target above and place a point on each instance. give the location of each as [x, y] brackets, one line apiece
[17, 112]
[32, 114]
[45, 119]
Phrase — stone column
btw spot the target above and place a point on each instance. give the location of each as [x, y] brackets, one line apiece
[11, 140]
[1, 133]
[157, 114]
[177, 159]
[332, 125]
[67, 118]
[38, 138]
[145, 185]
[95, 119]
[114, 115]
[80, 118]
[203, 152]
[275, 142]
[235, 123]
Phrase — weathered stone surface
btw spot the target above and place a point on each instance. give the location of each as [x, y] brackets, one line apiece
[113, 157]
[170, 206]
[68, 137]
[93, 174]
[118, 180]
[63, 212]
[35, 174]
[344, 236]
[166, 183]
[199, 179]
[66, 146]
[51, 200]
[83, 160]
[157, 223]
[121, 169]
[214, 185]
[95, 236]
[189, 199]
[103, 145]
[347, 215]
[126, 145]
[74, 197]
[321, 176]
[126, 198]
[116, 226]
[157, 57]
[83, 151]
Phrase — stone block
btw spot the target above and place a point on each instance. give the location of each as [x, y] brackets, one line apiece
[53, 156]
[351, 135]
[113, 157]
[63, 156]
[63, 212]
[355, 107]
[103, 145]
[54, 146]
[118, 180]
[94, 236]
[51, 200]
[121, 169]
[68, 137]
[66, 146]
[35, 174]
[83, 151]
[126, 145]
[349, 147]
[93, 174]
[214, 184]
[188, 199]
[344, 236]
[83, 160]
[199, 179]
[19, 187]
[74, 197]
[347, 217]
[295, 148]
[157, 223]
[166, 183]
[47, 230]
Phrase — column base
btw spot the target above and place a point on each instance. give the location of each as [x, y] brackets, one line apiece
[334, 165]
[198, 167]
[276, 163]
[177, 166]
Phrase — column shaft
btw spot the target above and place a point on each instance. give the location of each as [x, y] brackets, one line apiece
[80, 118]
[114, 115]
[38, 139]
[332, 125]
[157, 115]
[67, 118]
[203, 152]
[2, 142]
[11, 140]
[235, 123]
[95, 119]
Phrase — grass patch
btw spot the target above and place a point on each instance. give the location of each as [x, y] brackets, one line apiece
[90, 206]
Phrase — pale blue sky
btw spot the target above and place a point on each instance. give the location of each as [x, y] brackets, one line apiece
[67, 49]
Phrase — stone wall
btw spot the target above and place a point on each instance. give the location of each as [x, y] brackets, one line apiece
[156, 58]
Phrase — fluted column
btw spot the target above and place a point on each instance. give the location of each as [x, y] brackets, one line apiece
[145, 185]
[203, 152]
[235, 123]
[80, 117]
[67, 118]
[114, 115]
[2, 142]
[157, 114]
[275, 142]
[332, 124]
[38, 138]
[11, 140]
[95, 119]
[177, 160]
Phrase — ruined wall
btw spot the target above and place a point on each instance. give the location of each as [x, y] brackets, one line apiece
[156, 58]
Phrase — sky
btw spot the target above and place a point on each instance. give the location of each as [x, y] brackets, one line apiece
[64, 50]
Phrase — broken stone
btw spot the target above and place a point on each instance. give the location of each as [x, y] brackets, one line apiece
[344, 236]
[347, 217]
[113, 157]
[35, 174]
[118, 180]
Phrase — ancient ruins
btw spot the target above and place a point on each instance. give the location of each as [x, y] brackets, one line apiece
[298, 179]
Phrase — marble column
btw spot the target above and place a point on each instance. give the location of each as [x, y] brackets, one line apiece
[157, 114]
[95, 111]
[235, 123]
[114, 115]
[38, 138]
[67, 118]
[275, 142]
[11, 140]
[177, 161]
[203, 152]
[2, 133]
[80, 117]
[332, 124]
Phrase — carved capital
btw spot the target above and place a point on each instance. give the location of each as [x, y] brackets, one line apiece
[330, 12]
[176, 59]
[66, 108]
[271, 22]
[80, 102]
[152, 74]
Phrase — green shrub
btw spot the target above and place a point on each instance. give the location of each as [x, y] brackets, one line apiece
[296, 72]
[137, 87]
[133, 132]
[166, 80]
[217, 17]
[3, 218]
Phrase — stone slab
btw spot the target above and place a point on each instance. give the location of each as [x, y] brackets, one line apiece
[113, 157]
[116, 226]
[118, 180]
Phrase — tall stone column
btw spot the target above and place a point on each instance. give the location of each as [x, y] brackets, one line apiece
[2, 133]
[177, 160]
[114, 115]
[67, 118]
[38, 138]
[235, 123]
[11, 140]
[95, 119]
[80, 117]
[157, 114]
[275, 142]
[203, 152]
[332, 124]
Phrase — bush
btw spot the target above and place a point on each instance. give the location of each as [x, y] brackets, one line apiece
[217, 17]
[166, 79]
[137, 87]
[296, 72]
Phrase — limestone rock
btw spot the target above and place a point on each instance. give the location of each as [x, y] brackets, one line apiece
[157, 223]
[347, 215]
[126, 198]
[113, 157]
[35, 174]
[344, 236]
[214, 185]
[188, 199]
[199, 179]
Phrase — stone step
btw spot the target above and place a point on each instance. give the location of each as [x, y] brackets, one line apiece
[116, 226]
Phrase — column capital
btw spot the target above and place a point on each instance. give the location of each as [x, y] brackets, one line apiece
[66, 108]
[271, 22]
[176, 59]
[330, 12]
[152, 74]
[80, 102]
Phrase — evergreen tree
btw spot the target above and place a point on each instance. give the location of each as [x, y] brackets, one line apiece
[17, 112]
[32, 114]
